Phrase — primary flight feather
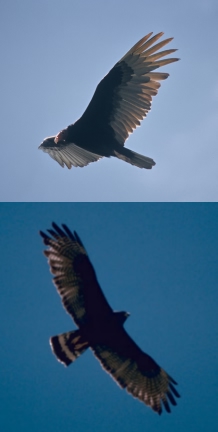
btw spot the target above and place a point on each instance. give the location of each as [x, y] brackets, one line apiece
[99, 327]
[121, 100]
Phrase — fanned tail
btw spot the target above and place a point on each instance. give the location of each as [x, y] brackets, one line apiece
[68, 346]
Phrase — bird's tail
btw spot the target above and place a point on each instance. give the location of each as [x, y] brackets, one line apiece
[133, 158]
[68, 346]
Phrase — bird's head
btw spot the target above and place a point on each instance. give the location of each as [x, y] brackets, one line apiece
[47, 142]
[122, 316]
[61, 136]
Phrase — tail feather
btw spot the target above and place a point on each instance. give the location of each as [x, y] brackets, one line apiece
[134, 158]
[68, 346]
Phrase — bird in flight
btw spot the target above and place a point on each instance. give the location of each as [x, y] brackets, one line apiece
[121, 100]
[99, 327]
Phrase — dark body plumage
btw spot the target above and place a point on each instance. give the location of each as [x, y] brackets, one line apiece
[99, 327]
[121, 100]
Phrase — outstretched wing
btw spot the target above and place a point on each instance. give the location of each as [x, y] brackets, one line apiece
[75, 277]
[69, 154]
[136, 371]
[123, 97]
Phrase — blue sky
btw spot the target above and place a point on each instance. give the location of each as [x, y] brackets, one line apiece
[157, 261]
[54, 53]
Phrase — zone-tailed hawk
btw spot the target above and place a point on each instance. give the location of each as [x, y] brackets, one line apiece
[99, 327]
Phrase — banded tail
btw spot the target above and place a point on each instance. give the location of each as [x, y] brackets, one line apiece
[68, 346]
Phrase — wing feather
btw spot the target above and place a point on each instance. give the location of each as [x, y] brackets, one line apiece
[125, 83]
[74, 275]
[136, 371]
[141, 62]
[68, 154]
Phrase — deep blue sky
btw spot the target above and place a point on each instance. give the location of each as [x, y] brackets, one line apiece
[157, 261]
[54, 53]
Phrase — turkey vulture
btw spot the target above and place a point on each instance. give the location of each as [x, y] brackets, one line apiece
[99, 327]
[121, 100]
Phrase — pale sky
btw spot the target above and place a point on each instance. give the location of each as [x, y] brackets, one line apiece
[54, 53]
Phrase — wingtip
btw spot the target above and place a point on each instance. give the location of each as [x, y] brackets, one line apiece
[78, 239]
[54, 225]
[43, 235]
[68, 232]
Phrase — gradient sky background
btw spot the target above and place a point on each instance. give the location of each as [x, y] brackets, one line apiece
[53, 55]
[157, 261]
